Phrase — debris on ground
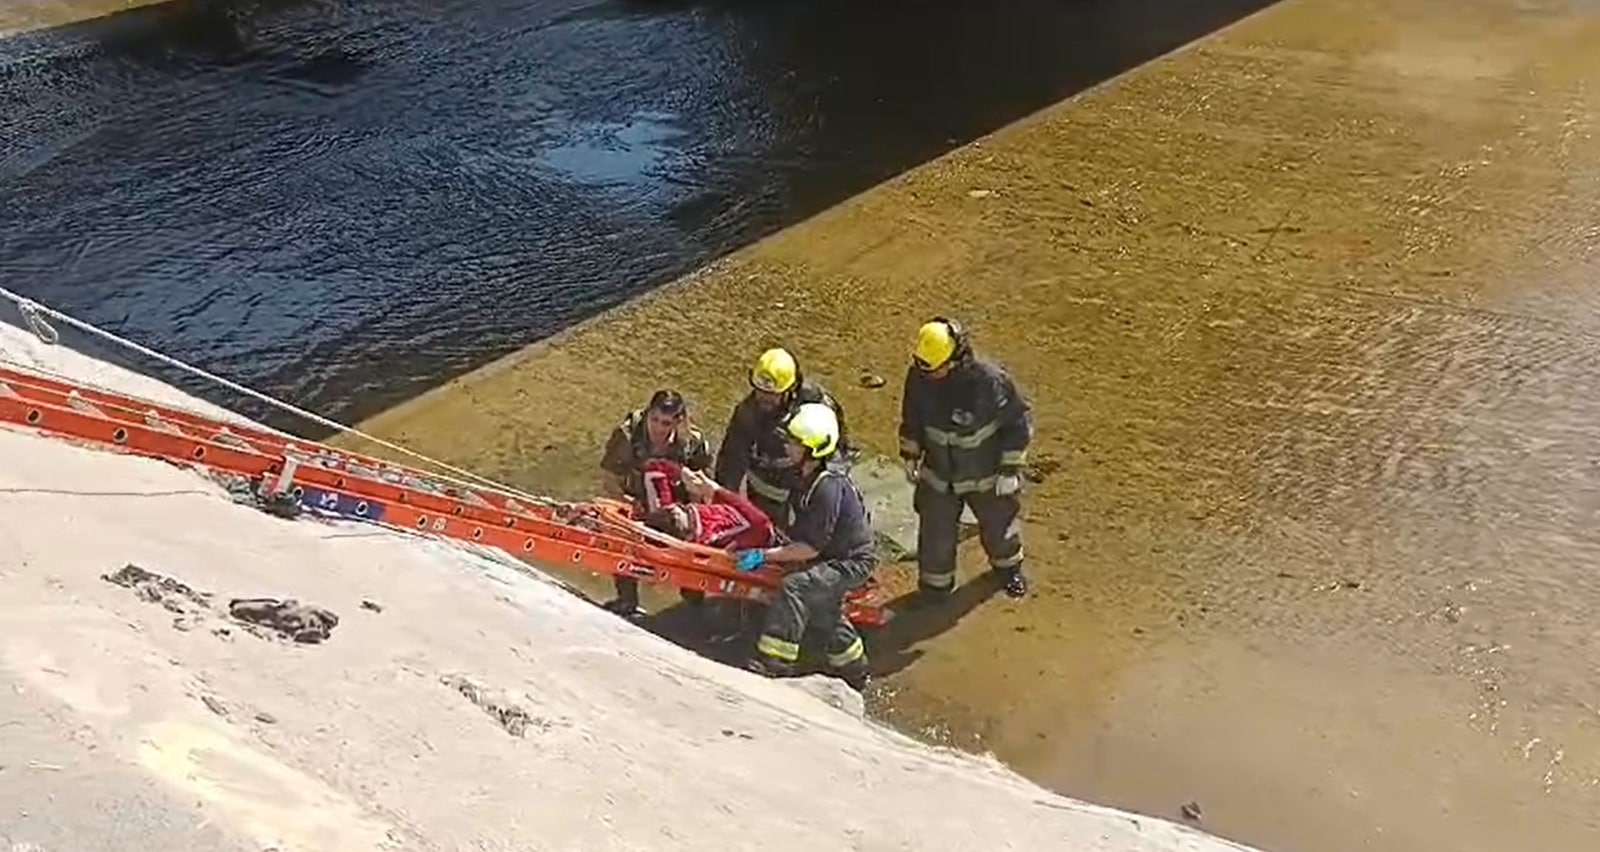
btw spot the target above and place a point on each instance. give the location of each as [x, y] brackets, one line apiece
[172, 594]
[251, 492]
[266, 618]
[1191, 811]
[215, 705]
[290, 618]
[372, 605]
[497, 704]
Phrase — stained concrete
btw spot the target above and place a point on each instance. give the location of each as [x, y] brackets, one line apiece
[1307, 314]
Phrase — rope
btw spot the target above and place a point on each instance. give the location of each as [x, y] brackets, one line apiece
[33, 313]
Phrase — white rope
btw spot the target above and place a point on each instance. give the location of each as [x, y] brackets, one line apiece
[33, 314]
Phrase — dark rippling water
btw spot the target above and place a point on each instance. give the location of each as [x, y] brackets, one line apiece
[348, 202]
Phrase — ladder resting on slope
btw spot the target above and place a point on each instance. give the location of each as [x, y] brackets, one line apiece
[599, 536]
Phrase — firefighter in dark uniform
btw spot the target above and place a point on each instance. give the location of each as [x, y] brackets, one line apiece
[831, 552]
[753, 448]
[964, 435]
[660, 430]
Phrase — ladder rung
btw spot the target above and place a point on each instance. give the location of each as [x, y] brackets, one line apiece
[154, 421]
[77, 401]
[227, 438]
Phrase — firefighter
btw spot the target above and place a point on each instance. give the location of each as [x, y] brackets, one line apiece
[660, 430]
[964, 435]
[830, 552]
[752, 450]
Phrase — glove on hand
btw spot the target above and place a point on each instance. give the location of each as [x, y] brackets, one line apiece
[749, 560]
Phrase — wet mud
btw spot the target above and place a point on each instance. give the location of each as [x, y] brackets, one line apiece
[1308, 316]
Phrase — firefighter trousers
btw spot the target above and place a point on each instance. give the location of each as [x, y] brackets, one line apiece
[938, 528]
[813, 597]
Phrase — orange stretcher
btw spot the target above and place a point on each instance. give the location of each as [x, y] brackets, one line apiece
[600, 536]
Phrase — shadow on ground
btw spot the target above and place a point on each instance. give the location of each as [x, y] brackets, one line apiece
[726, 630]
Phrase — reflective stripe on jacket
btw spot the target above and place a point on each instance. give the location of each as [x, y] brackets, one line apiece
[967, 428]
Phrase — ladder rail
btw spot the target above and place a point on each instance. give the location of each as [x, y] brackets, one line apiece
[33, 385]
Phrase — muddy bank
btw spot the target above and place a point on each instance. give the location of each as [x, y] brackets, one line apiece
[1306, 315]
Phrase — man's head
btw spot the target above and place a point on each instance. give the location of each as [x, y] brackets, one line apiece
[664, 415]
[941, 345]
[676, 521]
[774, 376]
[812, 434]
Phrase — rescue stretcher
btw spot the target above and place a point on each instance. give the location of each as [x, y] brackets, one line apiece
[600, 536]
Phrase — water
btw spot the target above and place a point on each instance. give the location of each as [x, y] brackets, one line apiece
[345, 203]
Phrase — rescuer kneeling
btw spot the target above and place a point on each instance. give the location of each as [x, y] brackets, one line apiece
[830, 553]
[964, 435]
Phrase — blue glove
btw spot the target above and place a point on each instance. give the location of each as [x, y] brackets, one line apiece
[749, 560]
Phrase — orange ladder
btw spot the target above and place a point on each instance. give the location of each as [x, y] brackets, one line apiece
[599, 536]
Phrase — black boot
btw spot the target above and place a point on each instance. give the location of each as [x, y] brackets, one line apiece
[856, 675]
[626, 603]
[766, 666]
[928, 596]
[1013, 581]
[631, 610]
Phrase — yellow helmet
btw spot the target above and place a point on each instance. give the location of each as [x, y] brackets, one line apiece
[775, 372]
[937, 342]
[815, 427]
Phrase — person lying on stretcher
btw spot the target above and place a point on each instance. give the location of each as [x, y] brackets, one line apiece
[713, 516]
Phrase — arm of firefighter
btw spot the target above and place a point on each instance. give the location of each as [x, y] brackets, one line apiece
[699, 456]
[814, 529]
[1016, 423]
[617, 459]
[910, 423]
[735, 449]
